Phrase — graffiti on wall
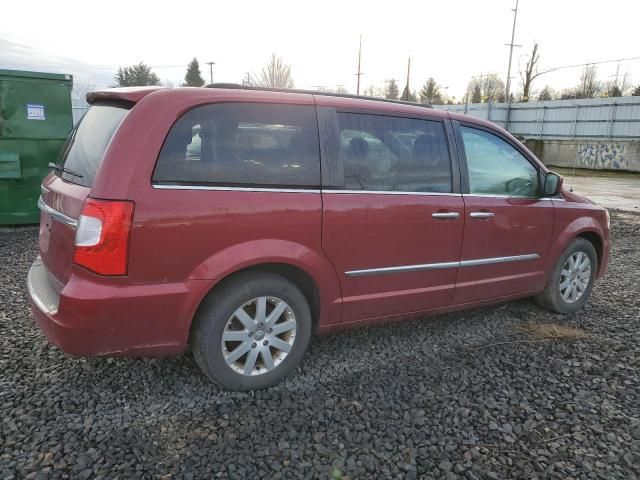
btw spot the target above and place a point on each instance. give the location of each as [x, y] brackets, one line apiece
[601, 156]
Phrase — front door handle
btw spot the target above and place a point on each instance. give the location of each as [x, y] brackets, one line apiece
[481, 214]
[445, 215]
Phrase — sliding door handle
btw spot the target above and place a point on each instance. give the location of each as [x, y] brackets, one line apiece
[445, 215]
[481, 214]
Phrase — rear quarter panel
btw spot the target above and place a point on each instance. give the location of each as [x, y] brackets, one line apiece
[207, 235]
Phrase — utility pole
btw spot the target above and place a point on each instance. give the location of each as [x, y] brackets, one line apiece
[211, 64]
[406, 88]
[359, 74]
[247, 81]
[511, 45]
[616, 76]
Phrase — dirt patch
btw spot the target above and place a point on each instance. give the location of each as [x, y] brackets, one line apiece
[553, 331]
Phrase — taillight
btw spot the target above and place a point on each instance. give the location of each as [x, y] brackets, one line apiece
[102, 237]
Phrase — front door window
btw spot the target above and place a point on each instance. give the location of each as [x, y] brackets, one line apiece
[496, 168]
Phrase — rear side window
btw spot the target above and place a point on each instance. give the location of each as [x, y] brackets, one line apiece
[85, 147]
[242, 144]
[394, 154]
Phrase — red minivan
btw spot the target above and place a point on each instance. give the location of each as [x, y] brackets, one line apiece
[241, 220]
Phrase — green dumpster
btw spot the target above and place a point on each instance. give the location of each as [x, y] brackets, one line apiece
[35, 120]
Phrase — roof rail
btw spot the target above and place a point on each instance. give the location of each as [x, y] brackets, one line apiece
[237, 86]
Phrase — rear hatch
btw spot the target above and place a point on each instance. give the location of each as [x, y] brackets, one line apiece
[66, 188]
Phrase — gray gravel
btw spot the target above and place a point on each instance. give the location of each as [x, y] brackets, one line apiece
[466, 395]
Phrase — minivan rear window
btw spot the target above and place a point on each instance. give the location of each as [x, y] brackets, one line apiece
[85, 147]
[242, 144]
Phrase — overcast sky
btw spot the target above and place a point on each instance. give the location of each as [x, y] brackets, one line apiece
[450, 40]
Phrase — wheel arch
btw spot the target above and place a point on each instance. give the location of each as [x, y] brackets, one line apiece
[309, 270]
[583, 227]
[597, 242]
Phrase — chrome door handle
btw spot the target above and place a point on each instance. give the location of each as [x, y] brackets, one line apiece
[481, 214]
[445, 215]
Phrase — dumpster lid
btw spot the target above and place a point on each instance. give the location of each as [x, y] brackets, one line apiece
[39, 75]
[127, 94]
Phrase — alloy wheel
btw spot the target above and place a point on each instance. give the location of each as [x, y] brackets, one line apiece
[575, 277]
[259, 336]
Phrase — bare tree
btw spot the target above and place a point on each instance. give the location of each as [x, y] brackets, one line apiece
[333, 89]
[486, 88]
[530, 73]
[476, 91]
[493, 88]
[372, 91]
[617, 87]
[275, 74]
[589, 86]
[81, 88]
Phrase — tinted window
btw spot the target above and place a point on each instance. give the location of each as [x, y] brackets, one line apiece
[496, 168]
[83, 152]
[394, 154]
[242, 144]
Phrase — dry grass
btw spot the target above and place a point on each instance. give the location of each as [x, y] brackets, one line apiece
[553, 331]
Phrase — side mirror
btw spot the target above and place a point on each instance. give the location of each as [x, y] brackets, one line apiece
[552, 184]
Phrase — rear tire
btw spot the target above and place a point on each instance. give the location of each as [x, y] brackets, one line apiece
[572, 278]
[256, 317]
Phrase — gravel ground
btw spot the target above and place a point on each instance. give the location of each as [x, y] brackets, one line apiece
[468, 395]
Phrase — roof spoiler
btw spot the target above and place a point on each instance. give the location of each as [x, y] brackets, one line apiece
[123, 94]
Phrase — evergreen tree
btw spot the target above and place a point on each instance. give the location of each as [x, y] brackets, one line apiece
[430, 93]
[476, 93]
[392, 90]
[614, 91]
[636, 92]
[135, 76]
[193, 78]
[546, 94]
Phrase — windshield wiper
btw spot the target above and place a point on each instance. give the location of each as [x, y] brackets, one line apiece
[60, 168]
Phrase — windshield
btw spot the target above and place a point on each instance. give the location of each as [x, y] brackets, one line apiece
[87, 143]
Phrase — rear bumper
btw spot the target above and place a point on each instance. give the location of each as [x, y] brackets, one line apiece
[102, 316]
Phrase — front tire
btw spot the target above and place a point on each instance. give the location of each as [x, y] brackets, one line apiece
[251, 331]
[572, 278]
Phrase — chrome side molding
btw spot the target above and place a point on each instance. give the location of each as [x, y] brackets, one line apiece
[58, 216]
[402, 269]
[441, 265]
[163, 186]
[488, 261]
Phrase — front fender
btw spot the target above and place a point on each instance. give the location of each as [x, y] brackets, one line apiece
[567, 231]
[256, 252]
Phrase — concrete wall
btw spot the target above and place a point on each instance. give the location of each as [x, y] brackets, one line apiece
[591, 154]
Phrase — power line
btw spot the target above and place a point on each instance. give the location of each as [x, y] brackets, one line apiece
[562, 67]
